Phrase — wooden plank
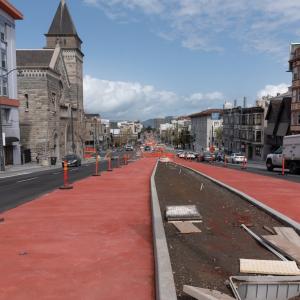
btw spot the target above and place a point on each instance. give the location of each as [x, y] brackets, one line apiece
[205, 294]
[284, 245]
[289, 233]
[186, 227]
[270, 267]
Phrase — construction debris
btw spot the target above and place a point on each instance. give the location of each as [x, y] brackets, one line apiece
[265, 287]
[186, 227]
[286, 241]
[204, 294]
[261, 241]
[269, 267]
[182, 213]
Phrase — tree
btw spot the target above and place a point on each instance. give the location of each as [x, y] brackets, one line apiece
[219, 136]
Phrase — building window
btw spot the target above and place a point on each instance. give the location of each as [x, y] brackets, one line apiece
[258, 151]
[26, 101]
[3, 60]
[4, 87]
[258, 136]
[258, 118]
[2, 33]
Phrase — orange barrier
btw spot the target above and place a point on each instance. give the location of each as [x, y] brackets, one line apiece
[97, 173]
[109, 168]
[66, 185]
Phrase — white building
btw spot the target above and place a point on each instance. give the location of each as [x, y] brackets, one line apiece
[10, 152]
[204, 127]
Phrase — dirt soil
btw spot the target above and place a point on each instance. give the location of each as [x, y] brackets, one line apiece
[207, 259]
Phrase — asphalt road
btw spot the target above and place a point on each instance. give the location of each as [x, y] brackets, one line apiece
[17, 190]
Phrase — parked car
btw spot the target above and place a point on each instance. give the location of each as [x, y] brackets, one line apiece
[128, 148]
[237, 158]
[72, 160]
[147, 148]
[182, 154]
[190, 155]
[207, 156]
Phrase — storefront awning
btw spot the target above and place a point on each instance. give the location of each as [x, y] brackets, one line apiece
[11, 139]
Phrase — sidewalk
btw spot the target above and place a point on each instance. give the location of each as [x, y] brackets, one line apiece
[278, 194]
[92, 242]
[16, 170]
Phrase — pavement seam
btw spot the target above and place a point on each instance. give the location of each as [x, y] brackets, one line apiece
[283, 218]
[165, 285]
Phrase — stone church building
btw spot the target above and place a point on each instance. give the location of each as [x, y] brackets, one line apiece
[50, 90]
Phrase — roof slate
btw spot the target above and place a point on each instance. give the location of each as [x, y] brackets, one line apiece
[34, 58]
[62, 23]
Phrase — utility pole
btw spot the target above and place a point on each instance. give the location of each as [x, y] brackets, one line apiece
[2, 163]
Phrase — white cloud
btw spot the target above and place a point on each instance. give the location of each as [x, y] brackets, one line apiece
[132, 100]
[265, 25]
[273, 90]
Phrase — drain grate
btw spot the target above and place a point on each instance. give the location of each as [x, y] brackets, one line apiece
[182, 213]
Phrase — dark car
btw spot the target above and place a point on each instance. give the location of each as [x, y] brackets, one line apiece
[72, 160]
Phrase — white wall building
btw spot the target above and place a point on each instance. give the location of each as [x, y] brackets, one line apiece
[9, 127]
[204, 126]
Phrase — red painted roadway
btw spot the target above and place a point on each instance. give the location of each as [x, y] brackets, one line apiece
[278, 194]
[92, 242]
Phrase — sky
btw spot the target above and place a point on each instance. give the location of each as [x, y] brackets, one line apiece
[152, 58]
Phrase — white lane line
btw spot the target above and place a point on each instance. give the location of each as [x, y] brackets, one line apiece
[57, 173]
[29, 179]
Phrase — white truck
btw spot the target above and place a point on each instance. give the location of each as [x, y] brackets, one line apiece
[290, 151]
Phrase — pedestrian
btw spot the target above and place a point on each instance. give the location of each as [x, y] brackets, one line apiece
[37, 159]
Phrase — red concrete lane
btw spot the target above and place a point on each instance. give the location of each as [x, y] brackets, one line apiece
[278, 194]
[92, 242]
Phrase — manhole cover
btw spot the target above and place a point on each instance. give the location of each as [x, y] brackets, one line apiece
[182, 213]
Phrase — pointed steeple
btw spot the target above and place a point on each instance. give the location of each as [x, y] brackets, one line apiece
[63, 29]
[62, 23]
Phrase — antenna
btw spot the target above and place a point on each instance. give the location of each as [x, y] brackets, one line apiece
[63, 2]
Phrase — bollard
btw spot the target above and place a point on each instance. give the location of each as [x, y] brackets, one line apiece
[109, 168]
[225, 161]
[244, 166]
[124, 159]
[283, 165]
[66, 185]
[97, 173]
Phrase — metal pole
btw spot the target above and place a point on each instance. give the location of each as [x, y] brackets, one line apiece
[72, 131]
[2, 163]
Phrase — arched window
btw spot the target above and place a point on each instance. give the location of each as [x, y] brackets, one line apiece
[26, 101]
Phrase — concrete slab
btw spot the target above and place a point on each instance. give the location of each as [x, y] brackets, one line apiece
[205, 294]
[269, 267]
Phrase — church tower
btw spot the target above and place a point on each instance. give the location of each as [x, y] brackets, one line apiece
[63, 32]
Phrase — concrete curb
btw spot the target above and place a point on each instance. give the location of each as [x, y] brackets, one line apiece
[165, 285]
[283, 218]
